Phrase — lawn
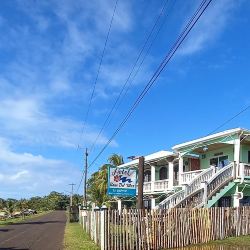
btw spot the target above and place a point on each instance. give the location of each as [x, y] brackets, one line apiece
[242, 242]
[76, 238]
[233, 241]
[20, 219]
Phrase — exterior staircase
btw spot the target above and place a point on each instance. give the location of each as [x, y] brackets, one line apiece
[205, 189]
[220, 194]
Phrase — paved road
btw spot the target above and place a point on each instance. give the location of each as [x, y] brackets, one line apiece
[42, 233]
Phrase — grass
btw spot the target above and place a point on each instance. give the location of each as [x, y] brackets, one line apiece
[76, 238]
[241, 242]
[233, 241]
[21, 219]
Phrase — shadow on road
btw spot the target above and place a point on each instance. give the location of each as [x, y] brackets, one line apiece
[37, 222]
[5, 230]
[14, 248]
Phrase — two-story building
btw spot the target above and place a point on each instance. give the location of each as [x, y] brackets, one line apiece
[209, 171]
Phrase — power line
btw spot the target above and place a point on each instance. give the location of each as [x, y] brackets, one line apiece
[95, 82]
[121, 95]
[99, 68]
[203, 6]
[230, 119]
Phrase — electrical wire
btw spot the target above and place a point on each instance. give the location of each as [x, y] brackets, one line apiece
[107, 120]
[229, 120]
[98, 70]
[96, 79]
[201, 9]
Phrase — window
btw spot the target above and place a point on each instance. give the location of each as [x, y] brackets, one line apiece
[220, 162]
[163, 173]
[147, 176]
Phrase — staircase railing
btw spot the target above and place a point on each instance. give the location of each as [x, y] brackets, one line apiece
[196, 183]
[198, 196]
[194, 192]
[173, 199]
[176, 198]
[220, 179]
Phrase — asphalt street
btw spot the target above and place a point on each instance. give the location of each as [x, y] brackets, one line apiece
[42, 233]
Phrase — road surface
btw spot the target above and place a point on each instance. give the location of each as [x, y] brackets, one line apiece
[42, 233]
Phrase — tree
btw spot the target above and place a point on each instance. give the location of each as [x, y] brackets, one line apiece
[116, 160]
[97, 186]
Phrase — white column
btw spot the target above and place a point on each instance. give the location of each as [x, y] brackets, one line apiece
[171, 174]
[204, 186]
[237, 151]
[236, 200]
[181, 163]
[153, 203]
[152, 177]
[119, 203]
[241, 172]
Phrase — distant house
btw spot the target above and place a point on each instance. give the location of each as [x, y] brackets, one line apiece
[209, 171]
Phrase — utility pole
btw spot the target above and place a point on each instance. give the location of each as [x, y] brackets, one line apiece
[85, 178]
[140, 204]
[71, 195]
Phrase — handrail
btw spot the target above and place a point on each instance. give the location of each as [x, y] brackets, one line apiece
[195, 185]
[194, 188]
[220, 171]
[188, 176]
[194, 192]
[174, 198]
[221, 178]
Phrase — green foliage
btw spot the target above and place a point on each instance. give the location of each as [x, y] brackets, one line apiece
[53, 201]
[97, 184]
[116, 160]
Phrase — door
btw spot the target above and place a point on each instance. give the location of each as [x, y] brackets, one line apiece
[195, 164]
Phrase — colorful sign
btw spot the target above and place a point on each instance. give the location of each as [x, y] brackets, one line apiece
[122, 181]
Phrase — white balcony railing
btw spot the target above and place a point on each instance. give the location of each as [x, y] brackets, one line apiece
[187, 177]
[247, 170]
[147, 187]
[156, 186]
[161, 185]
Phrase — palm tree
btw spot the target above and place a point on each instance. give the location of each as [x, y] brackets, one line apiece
[97, 184]
[116, 159]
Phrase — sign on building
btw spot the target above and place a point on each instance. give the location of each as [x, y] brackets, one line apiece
[122, 181]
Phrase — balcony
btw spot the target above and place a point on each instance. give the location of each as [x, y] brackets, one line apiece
[156, 186]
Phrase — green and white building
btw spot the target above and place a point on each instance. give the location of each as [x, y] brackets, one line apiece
[209, 171]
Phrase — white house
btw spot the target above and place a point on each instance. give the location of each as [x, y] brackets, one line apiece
[209, 171]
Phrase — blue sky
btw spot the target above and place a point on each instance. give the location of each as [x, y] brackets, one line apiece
[49, 56]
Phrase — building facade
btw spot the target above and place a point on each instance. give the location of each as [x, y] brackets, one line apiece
[209, 171]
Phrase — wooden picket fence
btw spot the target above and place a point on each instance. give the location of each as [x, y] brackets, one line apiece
[163, 229]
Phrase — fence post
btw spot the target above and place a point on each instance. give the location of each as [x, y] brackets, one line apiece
[103, 222]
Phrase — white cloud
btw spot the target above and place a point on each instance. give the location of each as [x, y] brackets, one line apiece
[209, 27]
[31, 174]
[29, 122]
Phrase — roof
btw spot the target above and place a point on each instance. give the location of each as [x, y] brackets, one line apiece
[210, 137]
[149, 158]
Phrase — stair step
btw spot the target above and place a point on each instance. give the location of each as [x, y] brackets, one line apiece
[220, 194]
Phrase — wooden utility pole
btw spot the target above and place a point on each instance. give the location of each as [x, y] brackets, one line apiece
[85, 178]
[71, 195]
[140, 204]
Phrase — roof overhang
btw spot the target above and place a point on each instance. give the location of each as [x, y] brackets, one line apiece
[225, 137]
[152, 158]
